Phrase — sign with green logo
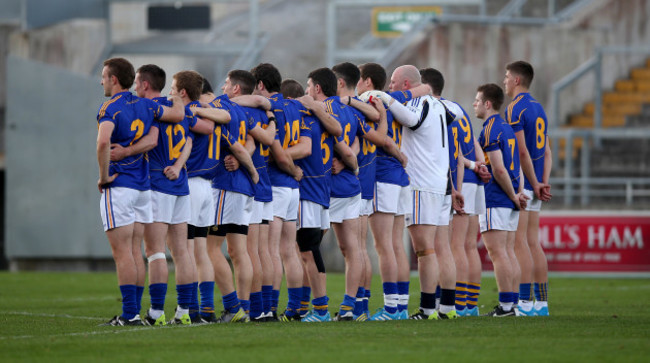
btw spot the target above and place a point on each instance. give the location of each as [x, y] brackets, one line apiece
[392, 21]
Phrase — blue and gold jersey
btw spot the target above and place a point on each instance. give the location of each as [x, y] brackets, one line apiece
[525, 113]
[287, 125]
[263, 192]
[498, 135]
[344, 184]
[234, 131]
[171, 141]
[454, 150]
[466, 143]
[367, 157]
[201, 162]
[315, 183]
[389, 169]
[132, 117]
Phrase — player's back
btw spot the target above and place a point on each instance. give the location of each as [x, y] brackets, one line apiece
[427, 147]
[202, 161]
[132, 117]
[497, 135]
[389, 169]
[287, 124]
[260, 156]
[314, 185]
[344, 184]
[367, 155]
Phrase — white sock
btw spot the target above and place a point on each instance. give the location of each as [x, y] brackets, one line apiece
[180, 312]
[445, 309]
[437, 304]
[506, 306]
[525, 305]
[428, 311]
[155, 314]
[540, 304]
[391, 300]
[404, 300]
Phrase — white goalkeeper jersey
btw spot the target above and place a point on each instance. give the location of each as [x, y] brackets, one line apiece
[425, 142]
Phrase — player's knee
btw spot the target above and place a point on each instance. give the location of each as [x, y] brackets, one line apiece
[425, 252]
[308, 237]
[318, 259]
[156, 256]
[201, 232]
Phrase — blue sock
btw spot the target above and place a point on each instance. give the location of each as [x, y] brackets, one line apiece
[504, 297]
[257, 305]
[390, 288]
[276, 300]
[194, 304]
[438, 292]
[366, 298]
[184, 295]
[304, 300]
[524, 292]
[207, 297]
[461, 295]
[246, 305]
[139, 290]
[157, 293]
[358, 302]
[403, 291]
[541, 291]
[427, 300]
[231, 302]
[267, 297]
[347, 304]
[293, 305]
[320, 305]
[129, 304]
[473, 290]
[514, 297]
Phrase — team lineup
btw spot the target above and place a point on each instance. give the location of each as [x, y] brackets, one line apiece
[269, 166]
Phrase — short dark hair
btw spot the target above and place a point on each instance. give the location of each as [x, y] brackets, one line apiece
[290, 88]
[326, 79]
[376, 73]
[493, 93]
[269, 75]
[348, 72]
[433, 78]
[122, 69]
[207, 87]
[191, 82]
[154, 75]
[524, 70]
[244, 79]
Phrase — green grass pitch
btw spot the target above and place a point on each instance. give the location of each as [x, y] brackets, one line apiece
[54, 316]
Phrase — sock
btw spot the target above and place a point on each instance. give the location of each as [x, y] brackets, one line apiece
[447, 300]
[358, 303]
[231, 302]
[347, 304]
[157, 293]
[390, 297]
[257, 304]
[267, 297]
[293, 305]
[275, 300]
[403, 291]
[207, 297]
[129, 304]
[461, 295]
[194, 304]
[139, 290]
[428, 302]
[184, 295]
[541, 291]
[525, 292]
[320, 305]
[304, 300]
[514, 297]
[366, 298]
[473, 291]
[246, 305]
[438, 297]
[504, 301]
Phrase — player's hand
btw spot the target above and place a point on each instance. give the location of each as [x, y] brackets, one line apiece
[337, 166]
[458, 202]
[521, 201]
[484, 174]
[403, 159]
[102, 183]
[307, 101]
[172, 172]
[118, 152]
[231, 163]
[545, 194]
[383, 96]
[299, 174]
[376, 103]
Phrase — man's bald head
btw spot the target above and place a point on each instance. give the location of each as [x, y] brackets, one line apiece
[404, 78]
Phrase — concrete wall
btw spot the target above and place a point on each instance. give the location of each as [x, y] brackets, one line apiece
[472, 54]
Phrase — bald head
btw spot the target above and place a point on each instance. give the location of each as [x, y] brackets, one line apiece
[404, 78]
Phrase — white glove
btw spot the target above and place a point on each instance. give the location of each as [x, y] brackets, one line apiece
[383, 96]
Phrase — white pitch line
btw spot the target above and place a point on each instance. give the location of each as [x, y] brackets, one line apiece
[66, 316]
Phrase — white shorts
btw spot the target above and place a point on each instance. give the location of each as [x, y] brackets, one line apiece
[121, 206]
[201, 202]
[232, 207]
[391, 198]
[170, 209]
[285, 203]
[262, 211]
[503, 219]
[474, 195]
[534, 204]
[342, 209]
[427, 208]
[367, 207]
[445, 216]
[313, 215]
